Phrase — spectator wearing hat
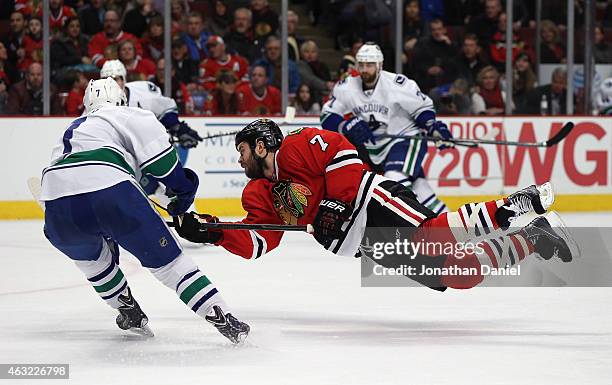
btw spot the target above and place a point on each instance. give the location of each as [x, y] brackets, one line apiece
[258, 97]
[223, 100]
[111, 35]
[219, 60]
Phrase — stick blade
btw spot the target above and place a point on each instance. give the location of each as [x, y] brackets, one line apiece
[289, 114]
[563, 132]
[35, 190]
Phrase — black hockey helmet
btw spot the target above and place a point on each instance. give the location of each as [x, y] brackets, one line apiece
[261, 129]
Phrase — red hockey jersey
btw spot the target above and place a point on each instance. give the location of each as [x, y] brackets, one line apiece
[100, 41]
[311, 164]
[211, 68]
[251, 104]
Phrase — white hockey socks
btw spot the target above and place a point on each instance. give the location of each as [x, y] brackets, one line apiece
[192, 287]
[105, 275]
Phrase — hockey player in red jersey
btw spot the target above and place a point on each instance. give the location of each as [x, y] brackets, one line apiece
[315, 177]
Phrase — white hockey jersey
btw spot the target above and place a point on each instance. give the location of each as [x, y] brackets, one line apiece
[105, 147]
[148, 96]
[603, 98]
[390, 108]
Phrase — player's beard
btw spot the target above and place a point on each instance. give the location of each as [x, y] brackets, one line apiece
[368, 80]
[253, 168]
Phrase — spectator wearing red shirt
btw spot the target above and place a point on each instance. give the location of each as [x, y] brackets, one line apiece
[32, 44]
[139, 68]
[497, 47]
[223, 100]
[74, 100]
[58, 15]
[219, 60]
[112, 34]
[490, 91]
[257, 97]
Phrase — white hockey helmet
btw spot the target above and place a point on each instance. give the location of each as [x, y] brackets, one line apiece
[113, 68]
[102, 92]
[369, 53]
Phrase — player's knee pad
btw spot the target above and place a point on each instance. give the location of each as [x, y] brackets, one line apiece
[172, 273]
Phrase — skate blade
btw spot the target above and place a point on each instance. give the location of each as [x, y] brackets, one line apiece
[560, 227]
[144, 331]
[547, 195]
[241, 338]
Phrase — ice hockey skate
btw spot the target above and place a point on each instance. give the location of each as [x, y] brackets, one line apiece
[131, 317]
[228, 325]
[551, 239]
[533, 198]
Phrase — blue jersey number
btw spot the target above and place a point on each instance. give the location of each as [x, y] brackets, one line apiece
[68, 134]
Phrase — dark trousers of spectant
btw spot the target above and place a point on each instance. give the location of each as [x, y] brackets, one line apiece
[90, 227]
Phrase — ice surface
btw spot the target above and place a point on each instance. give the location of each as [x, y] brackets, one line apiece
[311, 323]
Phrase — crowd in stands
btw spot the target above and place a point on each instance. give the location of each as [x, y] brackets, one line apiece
[226, 54]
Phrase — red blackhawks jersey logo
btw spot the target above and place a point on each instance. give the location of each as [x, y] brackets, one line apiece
[290, 199]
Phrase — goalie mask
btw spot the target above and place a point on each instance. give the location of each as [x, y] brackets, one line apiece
[103, 92]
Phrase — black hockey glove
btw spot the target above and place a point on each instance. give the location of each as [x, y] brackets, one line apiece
[185, 135]
[181, 200]
[189, 226]
[329, 220]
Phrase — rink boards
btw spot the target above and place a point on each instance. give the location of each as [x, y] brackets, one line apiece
[579, 167]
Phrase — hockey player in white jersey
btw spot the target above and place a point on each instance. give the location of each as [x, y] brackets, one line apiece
[603, 98]
[93, 205]
[148, 96]
[379, 102]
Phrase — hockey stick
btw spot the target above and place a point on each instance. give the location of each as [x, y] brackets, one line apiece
[289, 117]
[34, 187]
[253, 226]
[559, 136]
